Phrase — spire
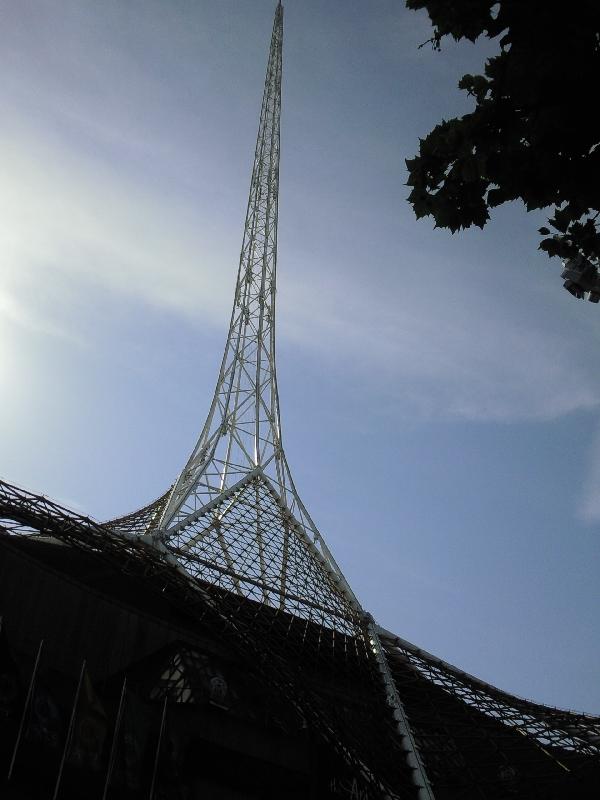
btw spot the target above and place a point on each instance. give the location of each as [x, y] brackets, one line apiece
[242, 430]
[241, 438]
[233, 518]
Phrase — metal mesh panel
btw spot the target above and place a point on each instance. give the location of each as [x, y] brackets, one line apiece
[328, 678]
[251, 545]
[144, 519]
[477, 741]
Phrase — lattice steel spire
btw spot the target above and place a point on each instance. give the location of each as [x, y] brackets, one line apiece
[242, 430]
[241, 438]
[233, 518]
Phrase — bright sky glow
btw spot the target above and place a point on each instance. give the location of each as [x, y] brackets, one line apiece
[439, 394]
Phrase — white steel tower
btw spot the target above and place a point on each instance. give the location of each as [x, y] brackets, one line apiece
[233, 517]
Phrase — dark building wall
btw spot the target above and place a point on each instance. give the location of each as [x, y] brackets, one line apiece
[241, 748]
[64, 596]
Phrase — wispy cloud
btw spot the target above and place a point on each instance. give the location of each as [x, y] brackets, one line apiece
[76, 216]
[461, 357]
[14, 311]
[70, 221]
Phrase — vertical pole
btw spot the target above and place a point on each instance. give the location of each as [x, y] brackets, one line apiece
[115, 739]
[407, 740]
[156, 757]
[69, 732]
[25, 709]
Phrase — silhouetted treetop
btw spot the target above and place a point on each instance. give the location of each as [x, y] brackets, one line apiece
[533, 134]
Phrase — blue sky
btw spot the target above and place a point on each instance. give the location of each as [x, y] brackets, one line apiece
[439, 393]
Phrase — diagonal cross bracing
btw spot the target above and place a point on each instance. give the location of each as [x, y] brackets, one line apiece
[242, 429]
[247, 541]
[308, 664]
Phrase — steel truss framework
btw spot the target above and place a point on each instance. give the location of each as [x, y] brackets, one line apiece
[474, 739]
[233, 517]
[308, 665]
[242, 431]
[232, 545]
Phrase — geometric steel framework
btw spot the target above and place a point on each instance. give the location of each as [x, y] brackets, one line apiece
[240, 443]
[242, 432]
[232, 544]
[474, 739]
[478, 741]
[307, 665]
[233, 518]
[553, 728]
[247, 542]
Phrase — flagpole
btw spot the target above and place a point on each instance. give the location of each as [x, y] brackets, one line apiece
[113, 747]
[25, 707]
[160, 735]
[69, 732]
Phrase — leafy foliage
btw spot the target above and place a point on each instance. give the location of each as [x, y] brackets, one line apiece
[532, 134]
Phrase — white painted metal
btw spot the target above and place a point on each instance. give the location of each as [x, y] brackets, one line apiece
[243, 430]
[413, 758]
